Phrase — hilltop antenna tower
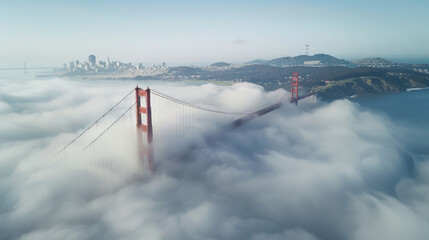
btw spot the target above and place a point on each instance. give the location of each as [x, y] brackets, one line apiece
[307, 46]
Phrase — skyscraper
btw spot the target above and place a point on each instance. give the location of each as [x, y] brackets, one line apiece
[91, 60]
[71, 67]
[140, 66]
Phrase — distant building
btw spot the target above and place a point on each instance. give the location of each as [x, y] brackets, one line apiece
[140, 66]
[311, 62]
[163, 64]
[102, 64]
[91, 60]
[91, 66]
[71, 67]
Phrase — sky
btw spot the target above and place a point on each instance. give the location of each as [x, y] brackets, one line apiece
[50, 33]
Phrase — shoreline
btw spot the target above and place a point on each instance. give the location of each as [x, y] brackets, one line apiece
[415, 89]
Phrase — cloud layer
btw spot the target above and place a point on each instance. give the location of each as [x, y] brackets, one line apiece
[319, 171]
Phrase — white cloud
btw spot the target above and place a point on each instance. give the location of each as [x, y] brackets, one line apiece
[332, 171]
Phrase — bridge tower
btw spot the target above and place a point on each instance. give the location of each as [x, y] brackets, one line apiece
[144, 127]
[294, 89]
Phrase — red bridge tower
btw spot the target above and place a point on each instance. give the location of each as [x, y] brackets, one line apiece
[144, 127]
[294, 89]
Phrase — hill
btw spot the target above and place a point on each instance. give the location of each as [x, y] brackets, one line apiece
[389, 82]
[318, 60]
[220, 64]
[331, 82]
[258, 61]
[331, 77]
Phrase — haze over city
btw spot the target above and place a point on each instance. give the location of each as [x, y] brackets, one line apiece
[49, 33]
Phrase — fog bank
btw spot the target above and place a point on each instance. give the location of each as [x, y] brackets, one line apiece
[316, 171]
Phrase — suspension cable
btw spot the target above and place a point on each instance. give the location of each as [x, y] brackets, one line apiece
[102, 116]
[203, 108]
[71, 142]
[105, 130]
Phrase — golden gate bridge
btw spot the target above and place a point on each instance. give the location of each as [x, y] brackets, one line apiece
[146, 127]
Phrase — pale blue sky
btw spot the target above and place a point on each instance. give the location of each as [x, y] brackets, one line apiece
[49, 33]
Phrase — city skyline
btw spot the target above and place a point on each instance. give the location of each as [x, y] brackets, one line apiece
[201, 32]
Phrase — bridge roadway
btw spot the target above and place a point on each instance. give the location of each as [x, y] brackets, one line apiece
[239, 122]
